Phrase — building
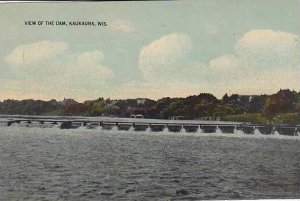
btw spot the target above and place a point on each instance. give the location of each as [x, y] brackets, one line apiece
[137, 116]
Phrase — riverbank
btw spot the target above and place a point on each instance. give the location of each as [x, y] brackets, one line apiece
[257, 118]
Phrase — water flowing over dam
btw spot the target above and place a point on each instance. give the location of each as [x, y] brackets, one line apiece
[149, 125]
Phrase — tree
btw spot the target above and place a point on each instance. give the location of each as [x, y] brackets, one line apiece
[257, 103]
[225, 99]
[282, 101]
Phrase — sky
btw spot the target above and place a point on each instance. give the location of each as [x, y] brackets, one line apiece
[149, 49]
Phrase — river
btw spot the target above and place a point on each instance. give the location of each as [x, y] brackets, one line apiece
[93, 164]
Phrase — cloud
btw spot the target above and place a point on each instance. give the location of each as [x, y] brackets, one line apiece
[261, 50]
[69, 74]
[266, 48]
[225, 62]
[164, 52]
[167, 70]
[121, 26]
[35, 52]
[87, 71]
[165, 60]
[263, 61]
[90, 62]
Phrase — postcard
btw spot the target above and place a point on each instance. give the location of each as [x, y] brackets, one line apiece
[150, 100]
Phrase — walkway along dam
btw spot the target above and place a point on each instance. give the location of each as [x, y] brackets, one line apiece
[149, 125]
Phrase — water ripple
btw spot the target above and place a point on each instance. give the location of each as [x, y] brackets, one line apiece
[54, 164]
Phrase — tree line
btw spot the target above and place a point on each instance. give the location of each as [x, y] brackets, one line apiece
[191, 107]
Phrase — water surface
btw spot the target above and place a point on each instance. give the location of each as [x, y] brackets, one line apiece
[83, 164]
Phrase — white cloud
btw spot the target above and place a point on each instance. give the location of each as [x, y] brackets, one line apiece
[35, 52]
[166, 69]
[87, 72]
[164, 60]
[264, 61]
[75, 75]
[225, 62]
[268, 49]
[121, 26]
[266, 40]
[163, 53]
[90, 63]
[262, 50]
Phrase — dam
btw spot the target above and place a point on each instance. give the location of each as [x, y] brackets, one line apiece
[149, 125]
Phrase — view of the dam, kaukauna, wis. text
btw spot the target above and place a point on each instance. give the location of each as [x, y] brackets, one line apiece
[150, 100]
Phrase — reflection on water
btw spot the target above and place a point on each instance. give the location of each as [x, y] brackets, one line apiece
[99, 164]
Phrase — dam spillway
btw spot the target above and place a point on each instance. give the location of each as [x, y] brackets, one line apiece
[149, 125]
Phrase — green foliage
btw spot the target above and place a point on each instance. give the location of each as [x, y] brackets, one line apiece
[253, 118]
[281, 118]
[229, 109]
[257, 103]
[282, 101]
[287, 118]
[281, 107]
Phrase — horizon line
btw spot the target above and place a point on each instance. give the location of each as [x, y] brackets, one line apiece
[111, 98]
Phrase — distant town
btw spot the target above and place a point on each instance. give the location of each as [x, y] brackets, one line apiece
[282, 107]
